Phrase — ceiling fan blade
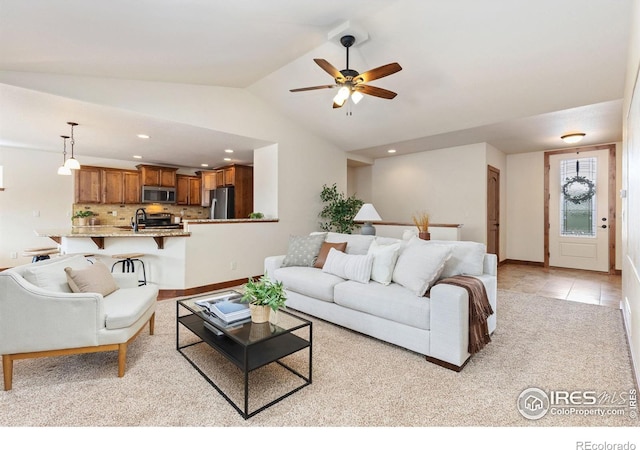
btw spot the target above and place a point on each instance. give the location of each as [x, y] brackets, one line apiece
[312, 88]
[376, 91]
[337, 105]
[327, 67]
[378, 72]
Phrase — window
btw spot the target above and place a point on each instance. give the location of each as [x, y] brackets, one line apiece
[577, 197]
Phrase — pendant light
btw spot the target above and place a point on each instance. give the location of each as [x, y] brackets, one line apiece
[72, 163]
[63, 169]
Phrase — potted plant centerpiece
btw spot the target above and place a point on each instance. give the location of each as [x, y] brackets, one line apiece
[82, 216]
[263, 296]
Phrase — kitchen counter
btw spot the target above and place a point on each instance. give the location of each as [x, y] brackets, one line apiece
[99, 233]
[203, 221]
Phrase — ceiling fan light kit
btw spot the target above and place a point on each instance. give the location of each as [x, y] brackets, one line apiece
[351, 83]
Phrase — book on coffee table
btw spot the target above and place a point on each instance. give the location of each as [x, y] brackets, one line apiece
[228, 310]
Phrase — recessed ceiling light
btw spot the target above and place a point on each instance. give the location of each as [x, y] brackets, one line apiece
[137, 156]
[228, 150]
[391, 151]
[143, 136]
[204, 165]
[227, 159]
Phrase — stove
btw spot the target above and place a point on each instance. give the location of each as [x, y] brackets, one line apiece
[159, 220]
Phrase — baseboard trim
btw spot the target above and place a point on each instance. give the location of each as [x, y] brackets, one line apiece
[521, 262]
[164, 294]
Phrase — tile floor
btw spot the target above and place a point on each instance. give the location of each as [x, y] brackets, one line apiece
[568, 284]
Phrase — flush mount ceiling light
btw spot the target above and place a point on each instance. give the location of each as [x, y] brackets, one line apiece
[72, 163]
[143, 136]
[63, 169]
[573, 137]
[391, 150]
[228, 150]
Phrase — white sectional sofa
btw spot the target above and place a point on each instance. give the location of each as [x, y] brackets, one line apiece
[376, 286]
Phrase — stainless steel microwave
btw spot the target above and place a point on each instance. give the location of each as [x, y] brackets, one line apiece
[157, 194]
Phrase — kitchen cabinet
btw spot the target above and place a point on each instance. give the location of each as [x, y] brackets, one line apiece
[188, 190]
[88, 184]
[120, 186]
[157, 175]
[240, 177]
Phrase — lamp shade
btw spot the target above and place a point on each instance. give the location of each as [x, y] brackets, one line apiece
[367, 213]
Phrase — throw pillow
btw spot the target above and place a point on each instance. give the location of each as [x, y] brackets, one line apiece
[419, 266]
[384, 261]
[95, 278]
[467, 258]
[303, 250]
[324, 251]
[49, 274]
[349, 267]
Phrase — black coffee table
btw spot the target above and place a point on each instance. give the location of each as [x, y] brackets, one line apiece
[249, 346]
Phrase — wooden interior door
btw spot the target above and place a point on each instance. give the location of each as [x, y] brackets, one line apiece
[493, 211]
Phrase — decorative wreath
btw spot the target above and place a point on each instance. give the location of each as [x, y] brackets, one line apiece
[578, 189]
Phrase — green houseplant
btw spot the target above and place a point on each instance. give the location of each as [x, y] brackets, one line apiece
[82, 216]
[339, 210]
[263, 296]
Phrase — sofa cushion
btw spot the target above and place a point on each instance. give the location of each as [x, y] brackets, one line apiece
[467, 258]
[349, 267]
[419, 265]
[357, 244]
[384, 261]
[51, 275]
[308, 281]
[392, 302]
[94, 278]
[303, 250]
[324, 251]
[125, 306]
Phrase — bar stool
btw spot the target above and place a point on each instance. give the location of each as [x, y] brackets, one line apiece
[128, 261]
[40, 253]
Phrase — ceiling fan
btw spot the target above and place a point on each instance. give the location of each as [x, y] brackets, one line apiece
[350, 82]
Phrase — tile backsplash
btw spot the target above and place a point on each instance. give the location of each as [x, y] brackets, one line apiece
[124, 213]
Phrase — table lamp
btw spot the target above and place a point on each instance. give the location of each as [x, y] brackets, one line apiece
[367, 214]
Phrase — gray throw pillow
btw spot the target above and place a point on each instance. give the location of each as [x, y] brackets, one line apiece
[303, 250]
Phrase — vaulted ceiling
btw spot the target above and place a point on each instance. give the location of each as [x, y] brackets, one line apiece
[514, 73]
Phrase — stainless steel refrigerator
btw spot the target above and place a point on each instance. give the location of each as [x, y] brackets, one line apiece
[222, 203]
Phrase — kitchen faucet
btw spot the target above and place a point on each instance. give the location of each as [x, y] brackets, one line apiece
[140, 212]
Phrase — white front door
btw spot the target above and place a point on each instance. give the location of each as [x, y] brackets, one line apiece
[578, 210]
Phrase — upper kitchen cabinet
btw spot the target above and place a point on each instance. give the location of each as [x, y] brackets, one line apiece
[88, 184]
[157, 175]
[188, 190]
[240, 177]
[106, 185]
[120, 186]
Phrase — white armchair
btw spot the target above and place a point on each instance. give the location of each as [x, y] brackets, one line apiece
[40, 316]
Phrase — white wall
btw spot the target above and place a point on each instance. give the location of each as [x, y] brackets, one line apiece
[449, 184]
[34, 197]
[525, 207]
[305, 162]
[631, 204]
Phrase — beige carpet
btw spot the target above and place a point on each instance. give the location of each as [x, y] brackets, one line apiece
[357, 381]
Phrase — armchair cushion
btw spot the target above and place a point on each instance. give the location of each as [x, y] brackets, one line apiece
[94, 278]
[51, 275]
